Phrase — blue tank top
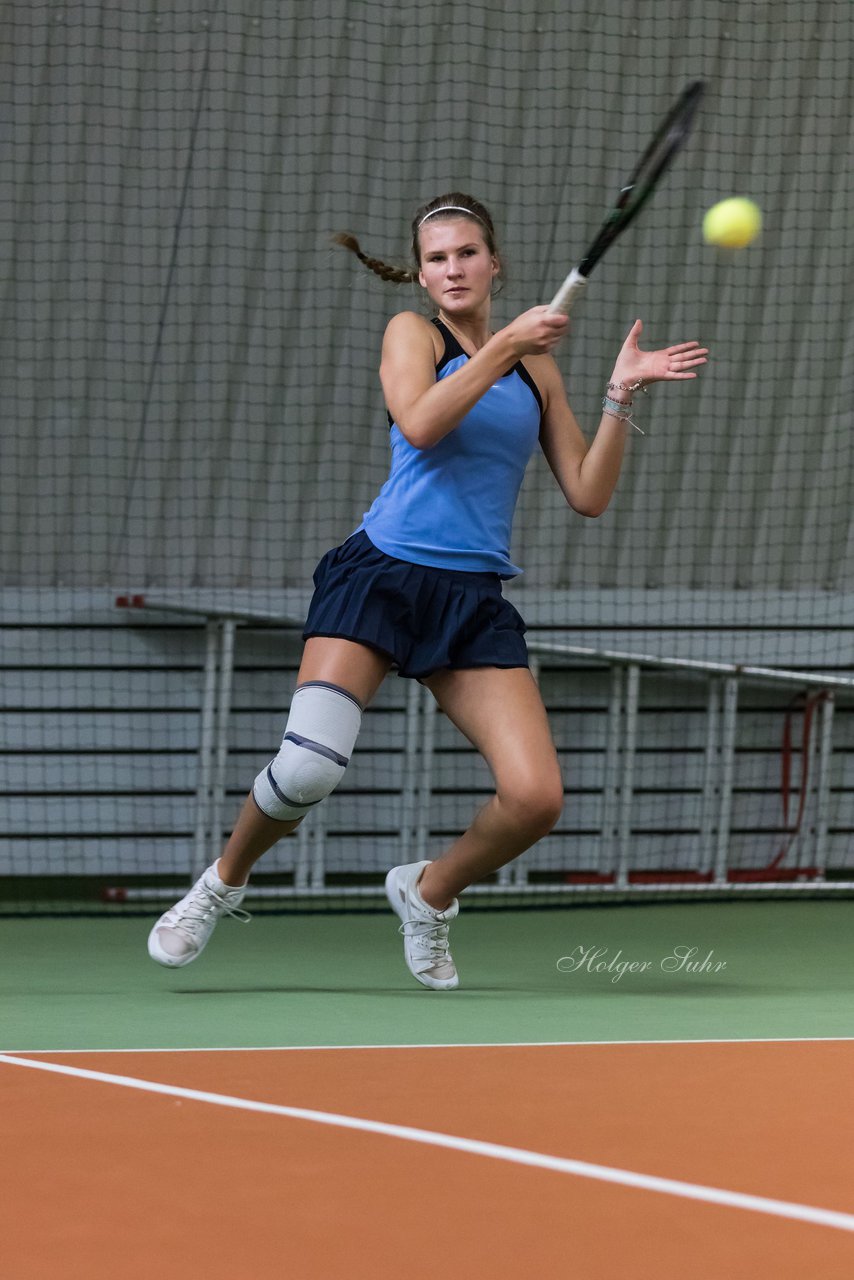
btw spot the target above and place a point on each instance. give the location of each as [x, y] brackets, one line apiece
[451, 506]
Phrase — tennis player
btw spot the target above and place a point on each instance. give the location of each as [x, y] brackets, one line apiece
[417, 587]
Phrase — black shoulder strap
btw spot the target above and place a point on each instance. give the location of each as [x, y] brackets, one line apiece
[452, 347]
[529, 382]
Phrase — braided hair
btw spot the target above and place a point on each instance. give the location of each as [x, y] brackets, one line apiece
[394, 275]
[455, 204]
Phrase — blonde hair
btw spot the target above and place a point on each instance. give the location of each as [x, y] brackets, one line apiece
[455, 204]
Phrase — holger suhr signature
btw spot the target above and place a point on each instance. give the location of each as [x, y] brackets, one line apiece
[681, 959]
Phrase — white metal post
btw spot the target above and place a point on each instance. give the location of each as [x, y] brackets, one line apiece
[611, 779]
[823, 787]
[409, 784]
[201, 837]
[220, 744]
[425, 774]
[727, 775]
[627, 773]
[711, 776]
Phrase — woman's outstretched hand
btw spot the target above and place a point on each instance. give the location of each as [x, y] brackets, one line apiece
[671, 364]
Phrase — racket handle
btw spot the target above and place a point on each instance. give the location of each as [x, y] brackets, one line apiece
[569, 292]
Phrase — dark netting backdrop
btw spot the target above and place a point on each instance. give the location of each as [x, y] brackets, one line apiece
[192, 416]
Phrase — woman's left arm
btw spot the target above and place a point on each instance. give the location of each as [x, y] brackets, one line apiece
[588, 474]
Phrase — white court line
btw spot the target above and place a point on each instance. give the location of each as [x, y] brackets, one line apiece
[450, 1044]
[491, 1150]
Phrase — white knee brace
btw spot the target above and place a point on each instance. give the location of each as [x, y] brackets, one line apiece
[319, 737]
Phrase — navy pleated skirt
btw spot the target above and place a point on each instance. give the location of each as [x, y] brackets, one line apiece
[425, 619]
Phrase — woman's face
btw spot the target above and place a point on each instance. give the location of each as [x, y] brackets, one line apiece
[457, 269]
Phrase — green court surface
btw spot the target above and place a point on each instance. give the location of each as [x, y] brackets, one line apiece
[761, 970]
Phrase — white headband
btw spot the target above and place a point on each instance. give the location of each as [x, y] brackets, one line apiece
[445, 208]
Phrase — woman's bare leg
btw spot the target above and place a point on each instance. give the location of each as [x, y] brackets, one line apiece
[501, 713]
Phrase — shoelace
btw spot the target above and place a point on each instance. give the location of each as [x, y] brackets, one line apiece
[198, 912]
[435, 935]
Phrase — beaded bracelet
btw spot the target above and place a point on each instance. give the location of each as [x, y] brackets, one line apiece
[634, 386]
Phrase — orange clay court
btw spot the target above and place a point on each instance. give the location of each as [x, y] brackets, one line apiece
[539, 1122]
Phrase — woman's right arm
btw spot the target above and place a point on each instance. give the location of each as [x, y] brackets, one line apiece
[426, 410]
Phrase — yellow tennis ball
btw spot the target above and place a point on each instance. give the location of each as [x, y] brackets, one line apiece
[732, 223]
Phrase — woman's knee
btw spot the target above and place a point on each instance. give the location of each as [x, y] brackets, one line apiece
[534, 804]
[320, 734]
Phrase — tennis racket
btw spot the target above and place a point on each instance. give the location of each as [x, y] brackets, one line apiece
[671, 134]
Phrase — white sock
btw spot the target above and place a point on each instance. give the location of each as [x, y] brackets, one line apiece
[220, 883]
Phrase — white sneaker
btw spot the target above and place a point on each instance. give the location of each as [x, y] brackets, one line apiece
[425, 930]
[182, 932]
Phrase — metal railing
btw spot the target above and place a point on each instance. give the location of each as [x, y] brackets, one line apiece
[613, 874]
